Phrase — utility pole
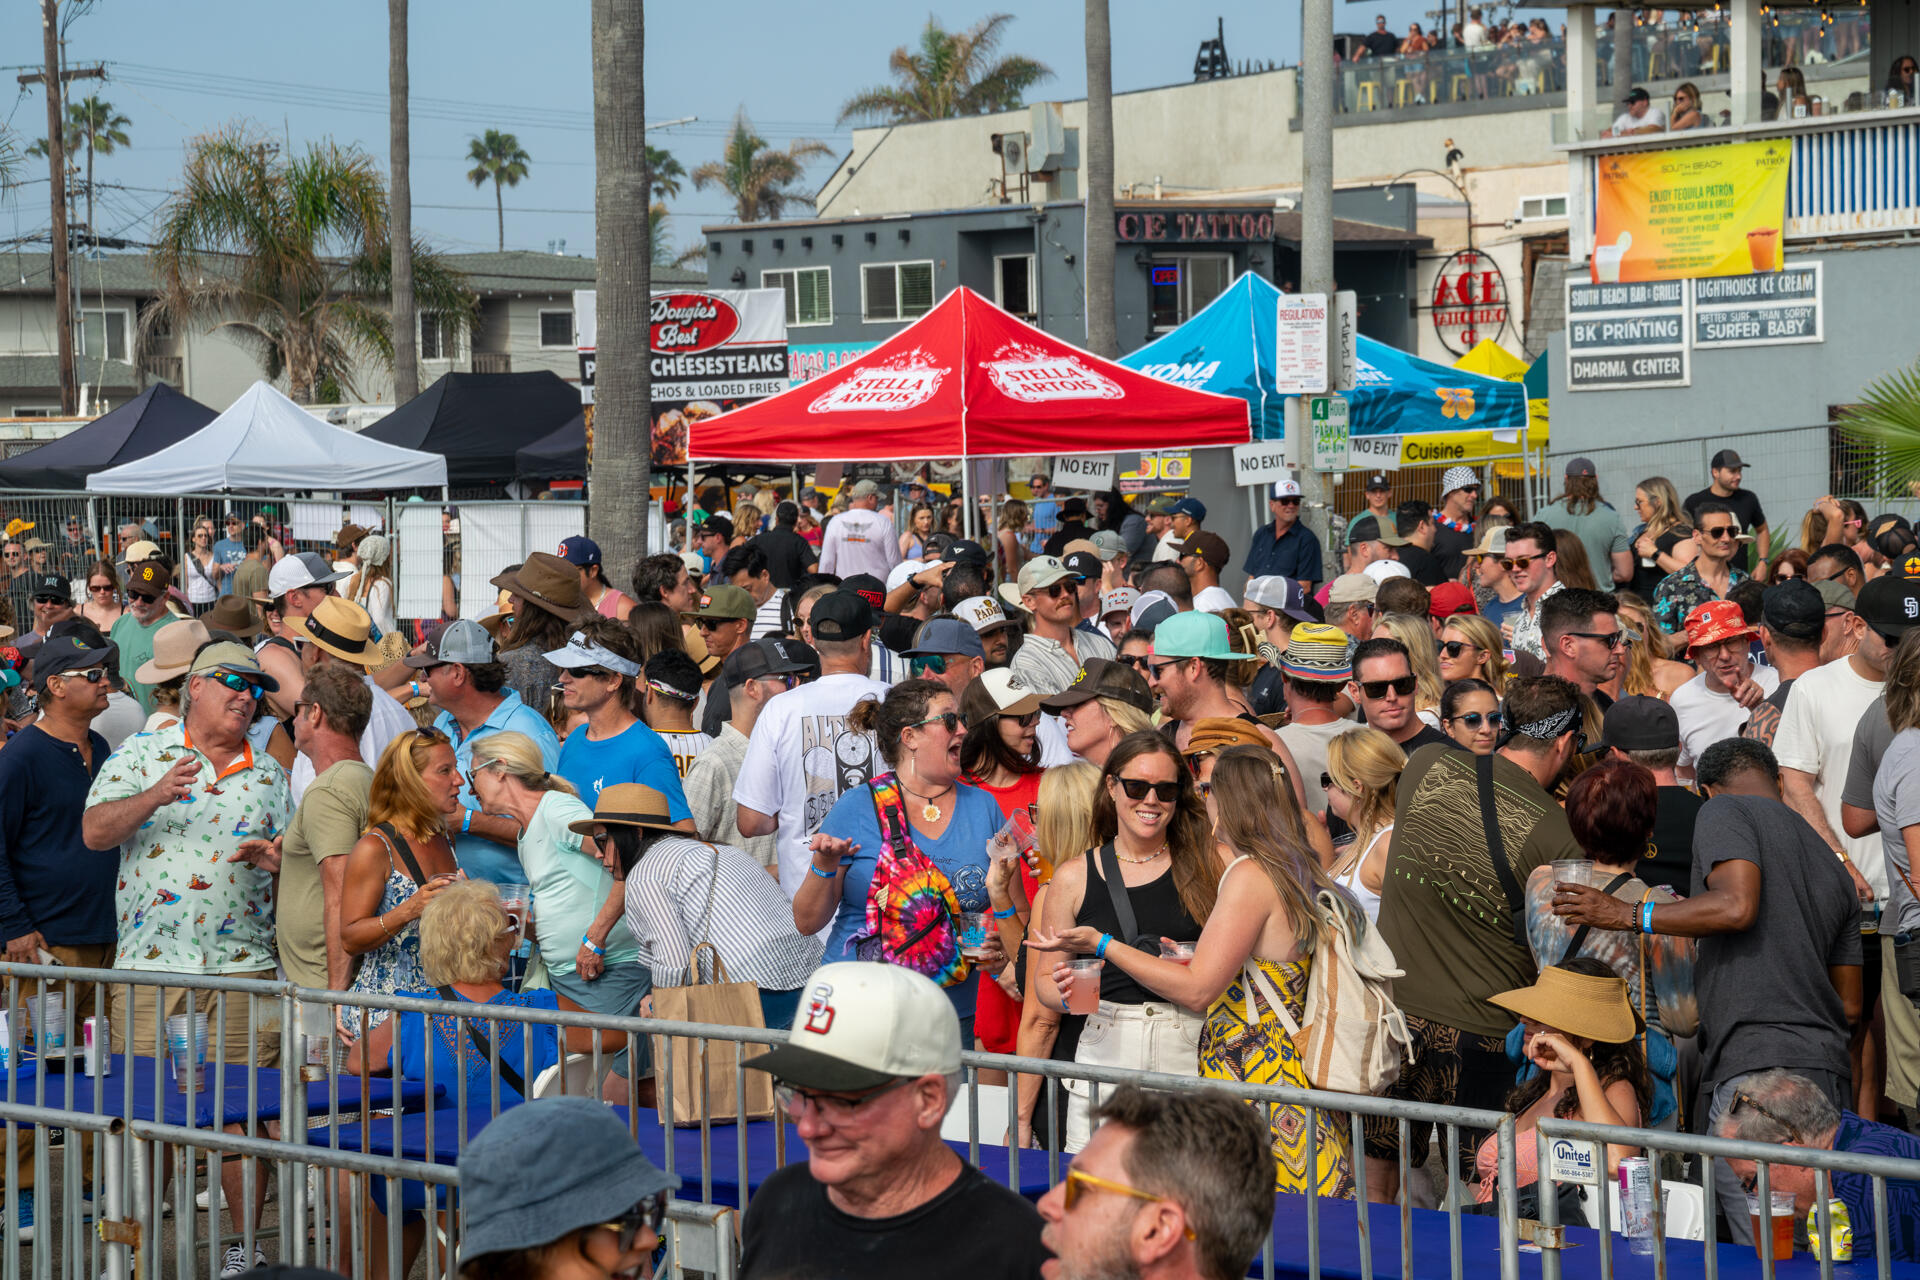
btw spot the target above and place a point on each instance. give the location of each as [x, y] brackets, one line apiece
[406, 356]
[54, 78]
[1316, 224]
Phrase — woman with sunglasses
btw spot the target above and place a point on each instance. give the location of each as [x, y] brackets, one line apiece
[1686, 112]
[1470, 715]
[557, 1190]
[1001, 756]
[1262, 924]
[1151, 878]
[203, 587]
[103, 606]
[1650, 670]
[1664, 541]
[396, 868]
[547, 606]
[1101, 711]
[464, 940]
[1363, 772]
[949, 822]
[1470, 649]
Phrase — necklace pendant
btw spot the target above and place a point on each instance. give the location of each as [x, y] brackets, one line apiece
[931, 812]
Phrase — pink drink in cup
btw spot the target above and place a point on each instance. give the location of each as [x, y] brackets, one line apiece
[1178, 952]
[1084, 995]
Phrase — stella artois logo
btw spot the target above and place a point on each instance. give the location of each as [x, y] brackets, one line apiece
[906, 381]
[1036, 375]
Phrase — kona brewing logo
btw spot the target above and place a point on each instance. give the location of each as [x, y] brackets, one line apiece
[683, 323]
[1036, 376]
[906, 381]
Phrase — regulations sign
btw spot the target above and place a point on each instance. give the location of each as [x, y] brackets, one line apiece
[1758, 311]
[1690, 212]
[1327, 418]
[1627, 335]
[1300, 361]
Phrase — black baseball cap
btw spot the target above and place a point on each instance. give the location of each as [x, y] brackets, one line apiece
[1379, 482]
[868, 588]
[765, 657]
[964, 551]
[1890, 605]
[1103, 678]
[1635, 95]
[1084, 563]
[1794, 609]
[61, 654]
[1636, 723]
[1726, 457]
[716, 523]
[841, 615]
[51, 584]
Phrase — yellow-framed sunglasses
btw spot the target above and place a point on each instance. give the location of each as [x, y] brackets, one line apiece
[1076, 1179]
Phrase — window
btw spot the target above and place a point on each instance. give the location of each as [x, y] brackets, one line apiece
[36, 411]
[809, 293]
[103, 330]
[1179, 288]
[556, 329]
[1542, 208]
[439, 337]
[896, 291]
[1013, 286]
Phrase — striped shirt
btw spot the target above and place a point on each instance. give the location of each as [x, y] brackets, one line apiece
[686, 748]
[1048, 667]
[685, 892]
[766, 619]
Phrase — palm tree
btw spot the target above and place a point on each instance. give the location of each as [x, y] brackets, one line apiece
[664, 172]
[1886, 425]
[1103, 337]
[952, 73]
[497, 158]
[406, 360]
[96, 126]
[755, 174]
[621, 465]
[290, 256]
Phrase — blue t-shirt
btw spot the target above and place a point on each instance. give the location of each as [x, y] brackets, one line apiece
[478, 856]
[227, 551]
[528, 1048]
[1855, 1190]
[635, 754]
[961, 855]
[1046, 519]
[1497, 612]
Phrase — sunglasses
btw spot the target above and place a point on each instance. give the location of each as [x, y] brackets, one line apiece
[1721, 531]
[1153, 671]
[1138, 661]
[1026, 721]
[1078, 1182]
[1288, 502]
[713, 624]
[923, 663]
[142, 596]
[1454, 648]
[1327, 783]
[1511, 563]
[648, 1215]
[99, 586]
[1137, 789]
[237, 683]
[1378, 688]
[1053, 591]
[92, 675]
[951, 719]
[1474, 719]
[1611, 639]
[49, 599]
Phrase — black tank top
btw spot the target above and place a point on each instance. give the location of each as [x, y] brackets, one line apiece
[1157, 912]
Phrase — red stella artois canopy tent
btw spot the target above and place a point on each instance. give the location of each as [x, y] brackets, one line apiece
[967, 380]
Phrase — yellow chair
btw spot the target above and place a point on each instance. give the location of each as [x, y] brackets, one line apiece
[1657, 65]
[1364, 96]
[1403, 94]
[1716, 59]
[1457, 88]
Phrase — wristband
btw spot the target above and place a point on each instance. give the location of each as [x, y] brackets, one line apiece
[1008, 913]
[587, 942]
[466, 821]
[824, 875]
[1646, 916]
[1100, 952]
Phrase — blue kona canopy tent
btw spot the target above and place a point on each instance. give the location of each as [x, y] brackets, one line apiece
[1230, 348]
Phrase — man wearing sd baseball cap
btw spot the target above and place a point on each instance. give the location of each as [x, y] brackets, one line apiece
[867, 1075]
[1286, 548]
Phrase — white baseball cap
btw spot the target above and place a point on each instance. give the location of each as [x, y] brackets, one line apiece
[1286, 489]
[1012, 695]
[307, 569]
[898, 575]
[861, 1025]
[983, 612]
[1381, 570]
[1118, 600]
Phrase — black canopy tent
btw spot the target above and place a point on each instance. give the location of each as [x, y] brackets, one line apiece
[561, 453]
[151, 421]
[478, 420]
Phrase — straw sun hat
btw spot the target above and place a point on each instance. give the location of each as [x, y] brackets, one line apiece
[1584, 1005]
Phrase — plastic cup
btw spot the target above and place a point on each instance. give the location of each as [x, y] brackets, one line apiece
[187, 1047]
[1778, 1218]
[1014, 838]
[1606, 263]
[1084, 995]
[1178, 952]
[49, 1024]
[516, 898]
[973, 932]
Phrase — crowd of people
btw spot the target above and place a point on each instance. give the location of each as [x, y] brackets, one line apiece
[1061, 796]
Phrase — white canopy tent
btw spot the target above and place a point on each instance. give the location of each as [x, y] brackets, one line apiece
[267, 443]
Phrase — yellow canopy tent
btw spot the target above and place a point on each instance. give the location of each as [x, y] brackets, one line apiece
[1489, 359]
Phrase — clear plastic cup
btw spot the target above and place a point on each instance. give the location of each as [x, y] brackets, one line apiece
[1084, 995]
[1776, 1217]
[973, 933]
[1178, 952]
[187, 1048]
[49, 1024]
[516, 898]
[1014, 839]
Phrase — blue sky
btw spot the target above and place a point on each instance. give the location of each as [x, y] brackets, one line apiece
[302, 72]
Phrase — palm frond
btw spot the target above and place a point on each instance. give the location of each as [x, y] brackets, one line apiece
[1887, 419]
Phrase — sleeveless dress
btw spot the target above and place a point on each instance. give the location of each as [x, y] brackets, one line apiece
[1244, 1041]
[394, 965]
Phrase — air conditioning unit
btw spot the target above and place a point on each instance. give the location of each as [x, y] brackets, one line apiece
[1013, 150]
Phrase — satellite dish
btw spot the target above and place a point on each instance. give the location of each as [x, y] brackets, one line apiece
[1013, 150]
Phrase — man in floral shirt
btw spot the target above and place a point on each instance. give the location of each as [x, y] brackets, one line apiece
[1709, 576]
[196, 814]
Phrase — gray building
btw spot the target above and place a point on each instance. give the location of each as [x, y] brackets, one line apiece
[855, 281]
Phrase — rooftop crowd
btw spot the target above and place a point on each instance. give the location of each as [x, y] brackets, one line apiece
[1625, 805]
